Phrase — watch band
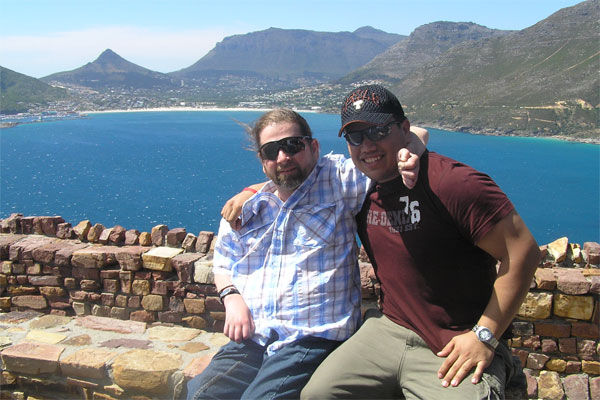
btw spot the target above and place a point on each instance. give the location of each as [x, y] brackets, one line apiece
[227, 291]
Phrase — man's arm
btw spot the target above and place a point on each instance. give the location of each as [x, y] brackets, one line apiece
[239, 324]
[408, 158]
[512, 244]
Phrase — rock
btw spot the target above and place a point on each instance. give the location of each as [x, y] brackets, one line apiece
[159, 258]
[536, 306]
[145, 370]
[82, 229]
[31, 358]
[578, 307]
[175, 237]
[87, 363]
[550, 386]
[132, 237]
[158, 234]
[117, 235]
[558, 249]
[204, 240]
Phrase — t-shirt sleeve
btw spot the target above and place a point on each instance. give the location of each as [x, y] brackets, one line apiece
[354, 185]
[473, 199]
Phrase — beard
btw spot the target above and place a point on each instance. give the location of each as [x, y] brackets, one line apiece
[289, 181]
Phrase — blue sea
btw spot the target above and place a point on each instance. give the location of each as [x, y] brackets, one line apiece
[141, 169]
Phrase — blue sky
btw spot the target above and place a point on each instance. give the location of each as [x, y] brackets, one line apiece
[41, 37]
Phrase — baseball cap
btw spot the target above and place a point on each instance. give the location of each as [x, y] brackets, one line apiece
[370, 103]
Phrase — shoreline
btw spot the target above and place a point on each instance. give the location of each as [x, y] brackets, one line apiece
[82, 114]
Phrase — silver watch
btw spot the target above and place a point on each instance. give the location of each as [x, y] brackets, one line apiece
[486, 336]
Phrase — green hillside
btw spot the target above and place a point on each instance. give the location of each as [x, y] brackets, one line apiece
[18, 92]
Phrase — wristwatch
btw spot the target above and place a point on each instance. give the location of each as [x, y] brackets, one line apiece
[227, 291]
[486, 336]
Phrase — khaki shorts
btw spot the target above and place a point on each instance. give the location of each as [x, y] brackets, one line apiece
[384, 360]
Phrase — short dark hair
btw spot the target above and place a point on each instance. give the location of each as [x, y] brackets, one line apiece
[273, 117]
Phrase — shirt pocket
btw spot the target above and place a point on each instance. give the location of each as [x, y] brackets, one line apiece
[313, 225]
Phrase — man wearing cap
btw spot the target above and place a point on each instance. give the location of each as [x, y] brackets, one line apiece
[287, 277]
[444, 303]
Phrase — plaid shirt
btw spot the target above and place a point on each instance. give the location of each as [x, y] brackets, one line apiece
[295, 263]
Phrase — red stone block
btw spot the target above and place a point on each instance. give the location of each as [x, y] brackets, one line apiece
[62, 257]
[117, 235]
[213, 304]
[110, 274]
[557, 330]
[572, 281]
[22, 279]
[142, 316]
[576, 386]
[218, 325]
[32, 358]
[134, 302]
[549, 346]
[111, 285]
[204, 240]
[184, 266]
[586, 349]
[35, 269]
[536, 361]
[161, 275]
[45, 254]
[132, 237]
[85, 273]
[35, 302]
[62, 272]
[130, 257]
[158, 234]
[12, 224]
[585, 330]
[573, 367]
[170, 317]
[79, 295]
[107, 299]
[532, 342]
[121, 300]
[143, 275]
[568, 345]
[592, 250]
[61, 303]
[175, 237]
[94, 297]
[159, 287]
[595, 387]
[65, 231]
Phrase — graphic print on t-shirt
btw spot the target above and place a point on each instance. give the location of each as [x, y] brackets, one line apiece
[405, 219]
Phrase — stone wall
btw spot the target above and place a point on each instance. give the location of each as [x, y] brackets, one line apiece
[165, 276]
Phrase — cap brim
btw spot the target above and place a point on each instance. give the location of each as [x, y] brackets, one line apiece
[369, 118]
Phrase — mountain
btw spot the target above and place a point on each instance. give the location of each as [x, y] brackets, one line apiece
[424, 45]
[291, 56]
[19, 91]
[541, 80]
[111, 70]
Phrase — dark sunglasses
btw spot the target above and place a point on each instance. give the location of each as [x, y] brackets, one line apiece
[374, 133]
[290, 145]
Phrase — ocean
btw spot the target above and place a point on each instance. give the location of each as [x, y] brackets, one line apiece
[141, 169]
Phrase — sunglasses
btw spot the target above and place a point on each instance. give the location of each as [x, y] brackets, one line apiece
[374, 133]
[290, 145]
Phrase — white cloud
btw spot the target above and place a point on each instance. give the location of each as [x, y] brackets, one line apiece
[161, 51]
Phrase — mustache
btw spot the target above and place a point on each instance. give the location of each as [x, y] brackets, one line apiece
[286, 165]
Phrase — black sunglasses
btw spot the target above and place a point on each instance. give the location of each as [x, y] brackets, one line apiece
[374, 133]
[290, 145]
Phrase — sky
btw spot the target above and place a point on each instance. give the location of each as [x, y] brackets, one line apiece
[41, 37]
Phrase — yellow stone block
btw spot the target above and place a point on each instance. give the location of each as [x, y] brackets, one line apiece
[37, 335]
[550, 386]
[590, 367]
[159, 258]
[556, 364]
[558, 249]
[145, 370]
[536, 306]
[578, 307]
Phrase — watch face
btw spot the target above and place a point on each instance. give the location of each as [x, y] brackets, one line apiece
[485, 335]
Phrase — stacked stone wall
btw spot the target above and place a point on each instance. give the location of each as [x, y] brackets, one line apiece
[159, 276]
[165, 276]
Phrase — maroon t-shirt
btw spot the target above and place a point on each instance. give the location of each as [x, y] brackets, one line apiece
[434, 279]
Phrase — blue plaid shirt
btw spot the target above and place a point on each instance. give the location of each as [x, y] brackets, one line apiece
[295, 263]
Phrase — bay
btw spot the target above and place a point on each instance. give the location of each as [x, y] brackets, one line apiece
[141, 169]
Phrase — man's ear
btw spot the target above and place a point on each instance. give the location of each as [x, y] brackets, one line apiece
[315, 146]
